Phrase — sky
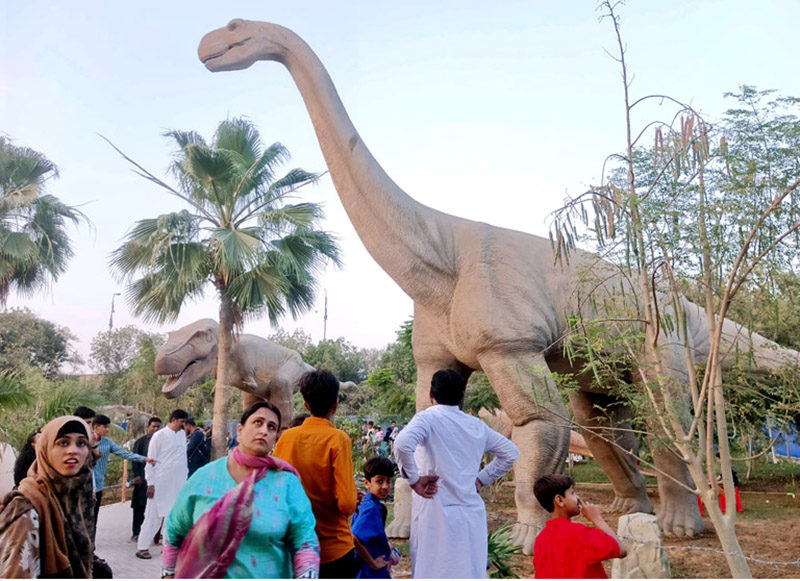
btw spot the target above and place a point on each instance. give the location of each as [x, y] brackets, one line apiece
[494, 112]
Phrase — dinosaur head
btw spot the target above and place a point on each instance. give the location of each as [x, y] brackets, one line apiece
[239, 45]
[188, 355]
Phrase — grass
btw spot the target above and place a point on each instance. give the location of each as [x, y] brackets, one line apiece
[588, 471]
[764, 474]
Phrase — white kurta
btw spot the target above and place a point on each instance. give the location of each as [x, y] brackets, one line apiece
[449, 532]
[171, 471]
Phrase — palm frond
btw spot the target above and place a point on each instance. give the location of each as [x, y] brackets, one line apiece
[158, 297]
[146, 242]
[261, 289]
[18, 246]
[184, 138]
[66, 397]
[235, 250]
[13, 393]
[241, 136]
[301, 215]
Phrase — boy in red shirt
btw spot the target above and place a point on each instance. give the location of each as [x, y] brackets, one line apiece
[567, 550]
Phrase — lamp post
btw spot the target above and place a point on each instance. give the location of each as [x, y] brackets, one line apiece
[111, 318]
[325, 318]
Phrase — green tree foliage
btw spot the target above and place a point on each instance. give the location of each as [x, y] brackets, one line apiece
[298, 340]
[27, 340]
[709, 206]
[339, 356]
[238, 234]
[41, 401]
[34, 245]
[392, 398]
[399, 356]
[480, 395]
[113, 352]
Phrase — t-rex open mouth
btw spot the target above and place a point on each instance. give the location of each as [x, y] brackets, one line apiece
[175, 378]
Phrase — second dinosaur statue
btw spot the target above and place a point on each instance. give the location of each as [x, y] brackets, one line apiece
[260, 368]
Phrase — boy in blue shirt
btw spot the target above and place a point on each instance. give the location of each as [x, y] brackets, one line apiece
[375, 554]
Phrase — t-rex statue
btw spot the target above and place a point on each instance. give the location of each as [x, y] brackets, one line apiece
[485, 298]
[260, 368]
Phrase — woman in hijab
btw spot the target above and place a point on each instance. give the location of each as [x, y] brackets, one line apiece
[245, 515]
[46, 524]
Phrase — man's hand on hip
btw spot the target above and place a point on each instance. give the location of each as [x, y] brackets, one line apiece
[426, 486]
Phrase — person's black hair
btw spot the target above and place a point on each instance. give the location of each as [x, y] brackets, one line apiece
[546, 488]
[84, 413]
[379, 466]
[320, 391]
[371, 423]
[29, 440]
[298, 420]
[448, 387]
[101, 420]
[257, 406]
[154, 419]
[190, 422]
[178, 415]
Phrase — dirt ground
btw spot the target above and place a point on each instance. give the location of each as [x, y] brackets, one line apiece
[768, 529]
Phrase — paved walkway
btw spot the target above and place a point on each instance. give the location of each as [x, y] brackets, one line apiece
[114, 544]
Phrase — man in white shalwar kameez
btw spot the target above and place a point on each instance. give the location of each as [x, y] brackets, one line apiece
[165, 479]
[440, 452]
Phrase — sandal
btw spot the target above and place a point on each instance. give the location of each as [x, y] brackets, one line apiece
[144, 554]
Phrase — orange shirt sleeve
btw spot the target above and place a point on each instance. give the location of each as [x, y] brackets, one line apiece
[344, 484]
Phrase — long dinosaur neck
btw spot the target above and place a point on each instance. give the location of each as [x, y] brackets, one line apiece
[414, 244]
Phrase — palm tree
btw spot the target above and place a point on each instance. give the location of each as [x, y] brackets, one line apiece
[237, 233]
[34, 246]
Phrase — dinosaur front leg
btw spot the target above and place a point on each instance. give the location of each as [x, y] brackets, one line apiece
[595, 413]
[541, 432]
[678, 513]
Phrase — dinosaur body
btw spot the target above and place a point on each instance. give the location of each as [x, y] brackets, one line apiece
[260, 368]
[485, 298]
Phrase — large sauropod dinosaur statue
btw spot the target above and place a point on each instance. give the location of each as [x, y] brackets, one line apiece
[485, 298]
[260, 368]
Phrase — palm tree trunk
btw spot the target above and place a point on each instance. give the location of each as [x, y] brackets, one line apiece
[222, 386]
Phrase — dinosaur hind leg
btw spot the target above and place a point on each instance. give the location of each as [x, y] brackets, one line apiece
[596, 413]
[541, 432]
[249, 399]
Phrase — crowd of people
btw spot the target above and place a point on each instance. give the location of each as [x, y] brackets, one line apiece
[284, 503]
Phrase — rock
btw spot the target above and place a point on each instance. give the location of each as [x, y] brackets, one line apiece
[400, 527]
[646, 559]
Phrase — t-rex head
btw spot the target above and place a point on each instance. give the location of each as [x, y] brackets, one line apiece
[240, 44]
[188, 355]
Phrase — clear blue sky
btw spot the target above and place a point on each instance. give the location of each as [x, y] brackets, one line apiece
[490, 111]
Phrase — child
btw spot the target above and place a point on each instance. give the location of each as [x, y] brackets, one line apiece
[567, 550]
[323, 456]
[375, 554]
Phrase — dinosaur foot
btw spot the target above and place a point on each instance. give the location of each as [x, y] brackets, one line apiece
[627, 505]
[527, 527]
[681, 517]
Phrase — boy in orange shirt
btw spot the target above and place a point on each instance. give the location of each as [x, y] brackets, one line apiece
[323, 456]
[567, 550]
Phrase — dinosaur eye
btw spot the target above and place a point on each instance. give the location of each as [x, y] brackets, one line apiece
[232, 26]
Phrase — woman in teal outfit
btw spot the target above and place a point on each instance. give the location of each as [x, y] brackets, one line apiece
[245, 515]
